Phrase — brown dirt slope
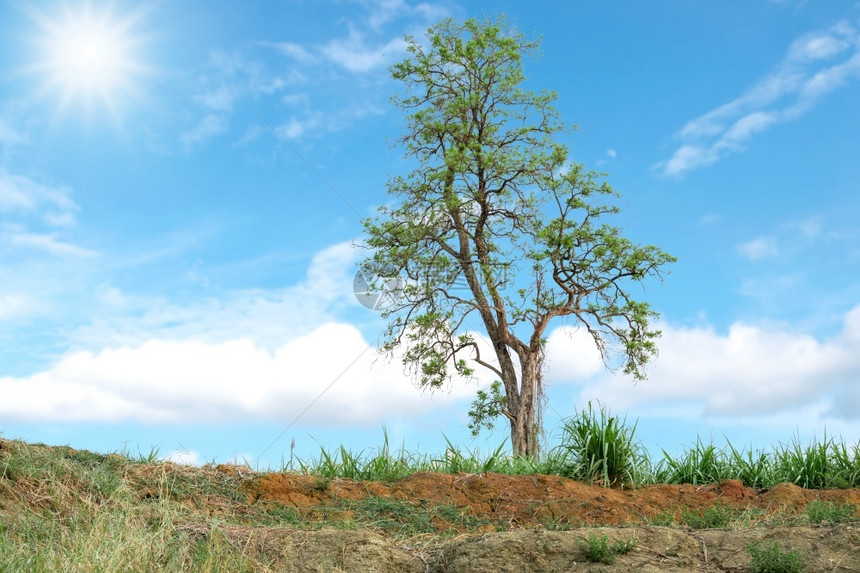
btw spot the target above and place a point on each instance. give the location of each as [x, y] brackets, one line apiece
[831, 548]
[540, 500]
[433, 522]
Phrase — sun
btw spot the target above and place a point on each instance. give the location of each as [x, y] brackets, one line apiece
[88, 58]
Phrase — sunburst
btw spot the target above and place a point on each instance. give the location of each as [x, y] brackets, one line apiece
[88, 58]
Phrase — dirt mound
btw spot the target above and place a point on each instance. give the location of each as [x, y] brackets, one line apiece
[545, 500]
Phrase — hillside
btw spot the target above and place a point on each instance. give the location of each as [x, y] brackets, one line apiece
[72, 510]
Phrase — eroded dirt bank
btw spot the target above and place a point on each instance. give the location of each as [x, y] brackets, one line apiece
[828, 548]
[539, 523]
[544, 500]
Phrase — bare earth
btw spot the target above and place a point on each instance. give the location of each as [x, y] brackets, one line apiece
[534, 509]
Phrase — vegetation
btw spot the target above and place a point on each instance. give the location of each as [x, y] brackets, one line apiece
[68, 510]
[714, 517]
[830, 512]
[772, 559]
[495, 202]
[599, 550]
[598, 447]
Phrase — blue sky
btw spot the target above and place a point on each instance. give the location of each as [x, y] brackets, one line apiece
[174, 275]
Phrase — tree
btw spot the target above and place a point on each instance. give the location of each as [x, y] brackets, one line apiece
[495, 203]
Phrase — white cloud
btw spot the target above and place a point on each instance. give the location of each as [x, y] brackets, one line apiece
[255, 355]
[186, 381]
[612, 153]
[295, 128]
[316, 124]
[381, 12]
[749, 372]
[48, 243]
[370, 43]
[15, 306]
[20, 194]
[572, 356]
[354, 54]
[357, 53]
[231, 77]
[9, 136]
[26, 204]
[814, 65]
[266, 317]
[294, 51]
[823, 45]
[759, 248]
[209, 126]
[234, 75]
[184, 457]
[809, 228]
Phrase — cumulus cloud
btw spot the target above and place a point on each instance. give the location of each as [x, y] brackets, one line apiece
[258, 355]
[265, 316]
[750, 371]
[571, 356]
[814, 65]
[187, 381]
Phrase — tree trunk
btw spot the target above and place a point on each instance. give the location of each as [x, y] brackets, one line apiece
[524, 420]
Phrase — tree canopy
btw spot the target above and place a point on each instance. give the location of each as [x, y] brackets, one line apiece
[496, 228]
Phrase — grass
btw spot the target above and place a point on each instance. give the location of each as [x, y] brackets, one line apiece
[772, 559]
[665, 519]
[829, 512]
[715, 517]
[599, 550]
[79, 511]
[597, 447]
[403, 519]
[69, 510]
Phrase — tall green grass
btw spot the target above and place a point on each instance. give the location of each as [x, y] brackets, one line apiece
[598, 447]
[386, 464]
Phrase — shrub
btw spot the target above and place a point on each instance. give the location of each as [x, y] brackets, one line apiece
[598, 549]
[773, 560]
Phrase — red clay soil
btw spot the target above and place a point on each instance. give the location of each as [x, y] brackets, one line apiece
[538, 499]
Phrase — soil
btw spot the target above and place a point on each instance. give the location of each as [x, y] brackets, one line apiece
[535, 500]
[473, 523]
[538, 523]
[831, 548]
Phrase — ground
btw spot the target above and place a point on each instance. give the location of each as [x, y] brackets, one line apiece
[56, 502]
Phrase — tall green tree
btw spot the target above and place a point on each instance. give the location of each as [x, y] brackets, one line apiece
[495, 228]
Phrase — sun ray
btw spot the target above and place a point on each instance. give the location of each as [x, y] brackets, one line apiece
[88, 58]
